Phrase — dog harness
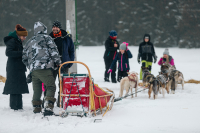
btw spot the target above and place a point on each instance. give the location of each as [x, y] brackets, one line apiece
[133, 80]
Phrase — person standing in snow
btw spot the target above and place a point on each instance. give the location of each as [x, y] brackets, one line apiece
[16, 79]
[123, 60]
[166, 58]
[111, 45]
[39, 55]
[146, 52]
[65, 47]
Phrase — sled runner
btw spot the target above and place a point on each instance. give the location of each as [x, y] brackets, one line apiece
[79, 90]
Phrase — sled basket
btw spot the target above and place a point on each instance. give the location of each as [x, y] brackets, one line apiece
[79, 90]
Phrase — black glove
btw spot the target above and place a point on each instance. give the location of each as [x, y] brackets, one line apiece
[64, 70]
[139, 61]
[138, 58]
[155, 58]
[29, 78]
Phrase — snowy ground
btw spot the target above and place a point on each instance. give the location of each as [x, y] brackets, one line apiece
[179, 113]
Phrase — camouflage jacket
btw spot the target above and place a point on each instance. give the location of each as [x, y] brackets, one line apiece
[40, 51]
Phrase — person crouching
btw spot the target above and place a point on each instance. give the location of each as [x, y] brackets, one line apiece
[123, 61]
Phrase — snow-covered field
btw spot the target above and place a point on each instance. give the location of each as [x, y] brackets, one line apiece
[177, 113]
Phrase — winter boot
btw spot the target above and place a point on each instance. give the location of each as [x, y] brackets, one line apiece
[16, 101]
[119, 78]
[48, 106]
[37, 106]
[114, 81]
[106, 79]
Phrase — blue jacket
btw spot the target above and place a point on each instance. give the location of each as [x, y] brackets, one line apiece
[68, 51]
[123, 61]
[65, 47]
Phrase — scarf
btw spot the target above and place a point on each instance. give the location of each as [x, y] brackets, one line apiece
[58, 34]
[113, 38]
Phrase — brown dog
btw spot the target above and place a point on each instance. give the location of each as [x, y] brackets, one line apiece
[128, 83]
[163, 83]
[153, 84]
[145, 73]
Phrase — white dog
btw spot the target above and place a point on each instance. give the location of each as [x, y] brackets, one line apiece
[129, 82]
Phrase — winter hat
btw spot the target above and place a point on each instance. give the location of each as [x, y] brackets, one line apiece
[122, 46]
[113, 33]
[166, 51]
[21, 31]
[56, 24]
[147, 36]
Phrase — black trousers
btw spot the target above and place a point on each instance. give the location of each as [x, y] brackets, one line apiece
[107, 66]
[16, 101]
[121, 74]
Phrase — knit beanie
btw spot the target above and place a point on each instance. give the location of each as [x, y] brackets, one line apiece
[166, 51]
[21, 31]
[113, 33]
[122, 46]
[57, 24]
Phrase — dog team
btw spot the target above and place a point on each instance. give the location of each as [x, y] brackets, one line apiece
[167, 79]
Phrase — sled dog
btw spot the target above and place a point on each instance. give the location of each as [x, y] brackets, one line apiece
[145, 72]
[153, 86]
[178, 77]
[163, 83]
[128, 83]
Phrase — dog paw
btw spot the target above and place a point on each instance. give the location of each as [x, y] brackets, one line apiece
[172, 92]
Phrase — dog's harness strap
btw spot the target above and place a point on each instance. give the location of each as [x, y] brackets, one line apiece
[133, 80]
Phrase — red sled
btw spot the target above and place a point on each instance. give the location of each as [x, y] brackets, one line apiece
[78, 90]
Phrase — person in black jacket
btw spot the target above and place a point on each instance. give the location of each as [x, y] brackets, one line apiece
[65, 47]
[16, 79]
[64, 44]
[111, 45]
[147, 53]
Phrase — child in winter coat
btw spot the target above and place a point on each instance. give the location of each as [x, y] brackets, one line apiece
[123, 61]
[166, 58]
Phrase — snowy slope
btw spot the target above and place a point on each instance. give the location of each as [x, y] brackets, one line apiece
[177, 113]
